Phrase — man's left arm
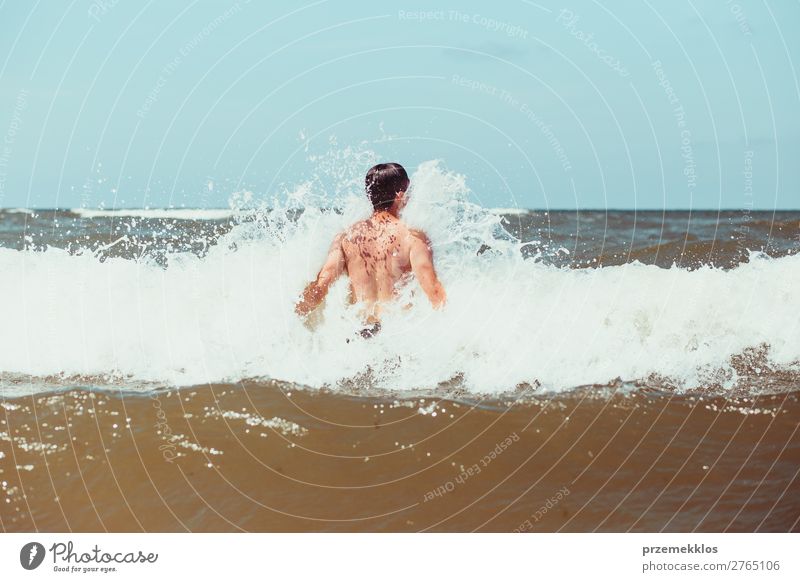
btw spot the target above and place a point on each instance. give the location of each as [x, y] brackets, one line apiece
[315, 292]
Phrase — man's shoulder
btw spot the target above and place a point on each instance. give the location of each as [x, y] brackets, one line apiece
[419, 235]
[353, 229]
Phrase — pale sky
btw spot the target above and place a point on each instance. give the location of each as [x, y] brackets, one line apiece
[584, 104]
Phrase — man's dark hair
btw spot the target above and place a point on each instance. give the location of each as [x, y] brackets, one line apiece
[383, 182]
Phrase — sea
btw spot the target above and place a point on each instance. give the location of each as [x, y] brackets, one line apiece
[593, 370]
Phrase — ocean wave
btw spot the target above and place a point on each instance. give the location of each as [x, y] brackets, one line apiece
[158, 213]
[510, 211]
[228, 314]
[15, 212]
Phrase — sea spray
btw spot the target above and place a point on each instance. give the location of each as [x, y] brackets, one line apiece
[226, 313]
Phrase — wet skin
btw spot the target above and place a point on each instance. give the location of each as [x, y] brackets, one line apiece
[379, 255]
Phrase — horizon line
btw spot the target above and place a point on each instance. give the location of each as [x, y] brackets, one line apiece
[511, 208]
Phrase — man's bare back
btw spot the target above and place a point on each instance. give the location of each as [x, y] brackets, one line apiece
[379, 255]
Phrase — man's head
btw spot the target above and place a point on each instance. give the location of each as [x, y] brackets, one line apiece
[386, 183]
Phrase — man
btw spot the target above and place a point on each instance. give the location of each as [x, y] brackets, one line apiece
[378, 253]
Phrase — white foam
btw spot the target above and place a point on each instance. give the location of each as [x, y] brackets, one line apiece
[229, 315]
[512, 211]
[164, 213]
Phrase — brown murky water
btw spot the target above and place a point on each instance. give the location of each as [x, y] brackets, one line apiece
[265, 457]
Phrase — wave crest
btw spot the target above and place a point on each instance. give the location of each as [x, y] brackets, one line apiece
[227, 314]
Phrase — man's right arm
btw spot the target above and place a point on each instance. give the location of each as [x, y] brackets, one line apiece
[421, 258]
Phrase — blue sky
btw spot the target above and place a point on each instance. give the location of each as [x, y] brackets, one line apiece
[541, 105]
